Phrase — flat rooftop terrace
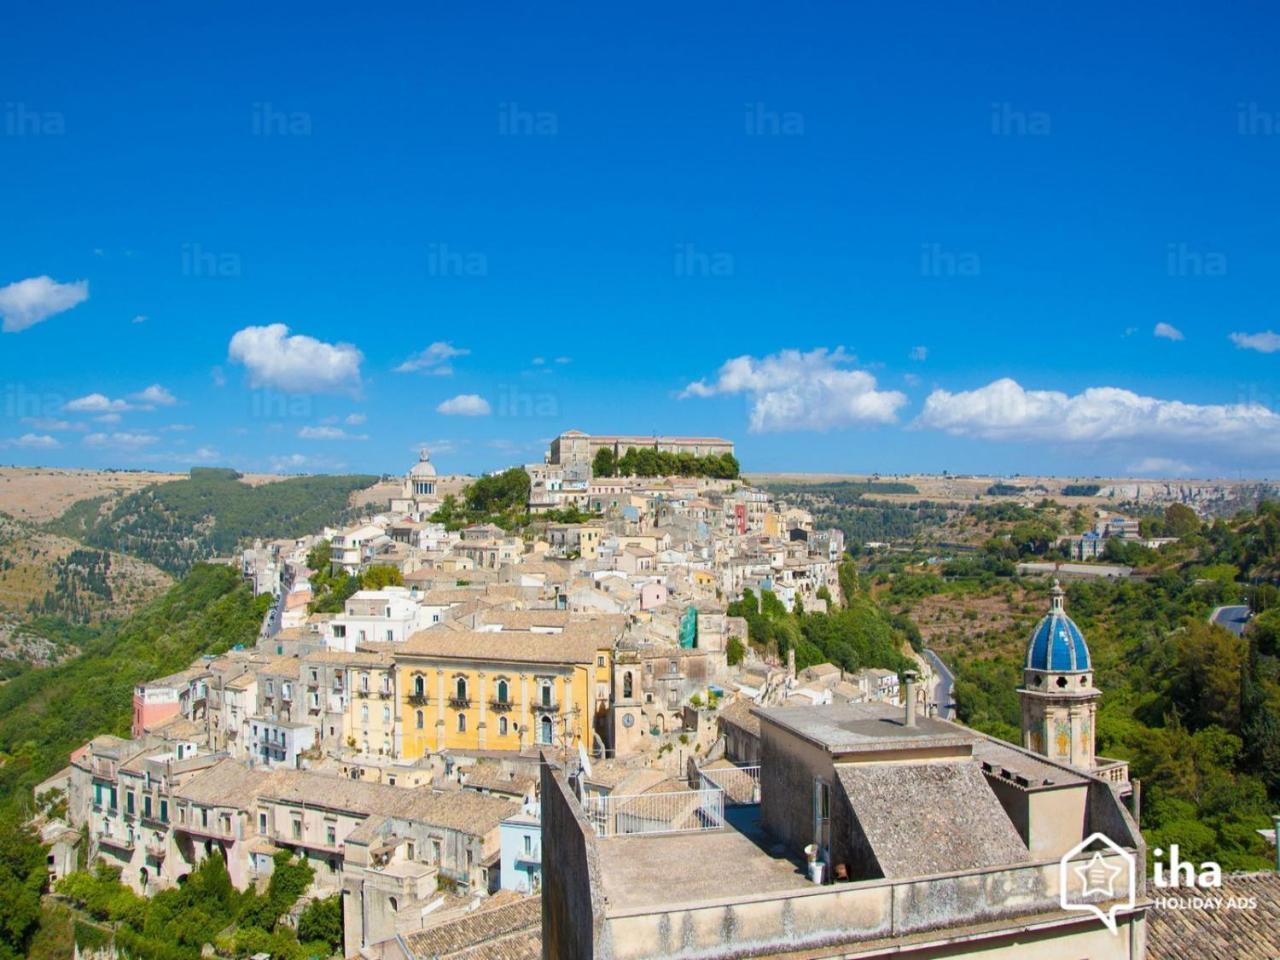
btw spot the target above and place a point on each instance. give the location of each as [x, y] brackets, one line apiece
[649, 870]
[864, 727]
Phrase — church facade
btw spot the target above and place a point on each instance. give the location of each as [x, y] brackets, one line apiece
[418, 489]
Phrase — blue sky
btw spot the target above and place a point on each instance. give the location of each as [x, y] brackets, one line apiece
[849, 237]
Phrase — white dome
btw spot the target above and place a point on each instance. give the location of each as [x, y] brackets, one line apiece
[423, 467]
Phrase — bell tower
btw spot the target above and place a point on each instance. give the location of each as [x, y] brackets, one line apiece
[1059, 700]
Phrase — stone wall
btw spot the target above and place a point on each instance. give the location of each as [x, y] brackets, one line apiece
[572, 902]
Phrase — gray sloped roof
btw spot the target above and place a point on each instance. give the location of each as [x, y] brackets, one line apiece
[926, 818]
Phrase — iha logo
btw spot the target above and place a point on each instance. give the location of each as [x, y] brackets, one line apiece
[1179, 874]
[1105, 874]
[1183, 873]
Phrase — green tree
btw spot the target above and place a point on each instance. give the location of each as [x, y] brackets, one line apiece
[321, 921]
[22, 880]
[1204, 677]
[735, 652]
[605, 463]
[847, 574]
[381, 575]
[320, 556]
[498, 493]
[1180, 520]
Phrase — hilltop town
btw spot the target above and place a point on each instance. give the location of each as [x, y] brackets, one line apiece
[483, 742]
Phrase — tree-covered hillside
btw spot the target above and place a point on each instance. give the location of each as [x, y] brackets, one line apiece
[210, 513]
[45, 714]
[1194, 708]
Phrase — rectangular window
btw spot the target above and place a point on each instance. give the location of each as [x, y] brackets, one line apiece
[331, 835]
[146, 805]
[262, 823]
[164, 811]
[297, 829]
[128, 801]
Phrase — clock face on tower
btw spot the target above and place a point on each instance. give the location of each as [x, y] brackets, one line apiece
[628, 720]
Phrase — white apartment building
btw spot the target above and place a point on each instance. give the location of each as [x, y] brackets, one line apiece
[389, 615]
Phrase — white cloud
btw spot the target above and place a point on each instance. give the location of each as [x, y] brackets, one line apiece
[433, 360]
[563, 360]
[355, 419]
[96, 403]
[791, 390]
[1004, 410]
[329, 433]
[28, 302]
[130, 441]
[911, 379]
[52, 423]
[140, 318]
[1167, 331]
[465, 405]
[920, 353]
[293, 461]
[33, 441]
[1159, 467]
[110, 409]
[295, 364]
[539, 361]
[1265, 342]
[154, 396]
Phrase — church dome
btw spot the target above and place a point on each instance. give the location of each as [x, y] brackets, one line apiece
[1057, 645]
[423, 467]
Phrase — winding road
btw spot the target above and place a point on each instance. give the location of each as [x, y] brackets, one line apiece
[943, 684]
[1231, 618]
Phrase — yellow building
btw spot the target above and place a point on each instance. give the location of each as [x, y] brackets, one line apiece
[372, 710]
[502, 690]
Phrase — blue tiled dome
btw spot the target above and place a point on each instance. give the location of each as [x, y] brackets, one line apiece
[1057, 645]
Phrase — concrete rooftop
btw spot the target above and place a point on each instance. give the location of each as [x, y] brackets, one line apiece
[854, 727]
[642, 871]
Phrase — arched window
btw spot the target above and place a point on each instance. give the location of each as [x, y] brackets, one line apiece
[462, 723]
[502, 691]
[545, 729]
[462, 688]
[502, 726]
[419, 686]
[420, 720]
[626, 685]
[364, 715]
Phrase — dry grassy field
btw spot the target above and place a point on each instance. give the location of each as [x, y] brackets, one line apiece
[40, 494]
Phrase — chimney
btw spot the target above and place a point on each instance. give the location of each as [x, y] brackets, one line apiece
[911, 698]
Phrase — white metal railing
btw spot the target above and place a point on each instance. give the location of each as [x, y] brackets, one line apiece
[741, 785]
[682, 811]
